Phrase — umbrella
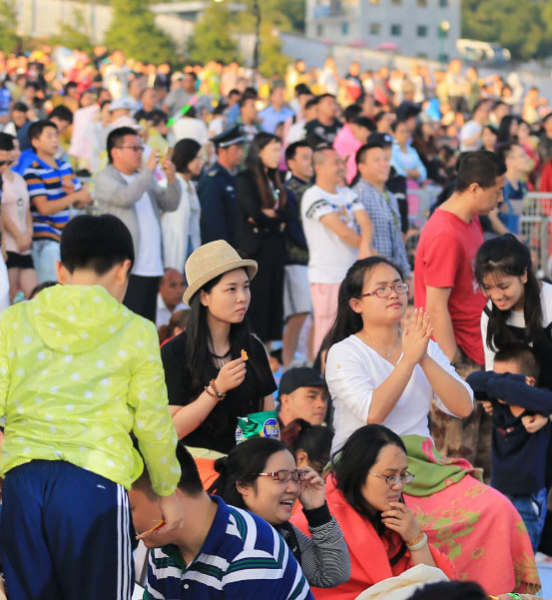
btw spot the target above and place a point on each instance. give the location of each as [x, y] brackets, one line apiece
[387, 46]
[358, 44]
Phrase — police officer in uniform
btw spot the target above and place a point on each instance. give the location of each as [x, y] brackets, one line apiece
[217, 189]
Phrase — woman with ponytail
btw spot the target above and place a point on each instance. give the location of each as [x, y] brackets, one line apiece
[261, 476]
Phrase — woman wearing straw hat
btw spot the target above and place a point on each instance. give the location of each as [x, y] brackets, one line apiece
[209, 383]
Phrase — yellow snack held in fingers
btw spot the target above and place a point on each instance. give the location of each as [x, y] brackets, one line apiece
[244, 355]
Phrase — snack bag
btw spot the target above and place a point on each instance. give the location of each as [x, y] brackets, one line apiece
[261, 424]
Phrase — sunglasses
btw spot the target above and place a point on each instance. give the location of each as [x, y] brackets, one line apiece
[5, 162]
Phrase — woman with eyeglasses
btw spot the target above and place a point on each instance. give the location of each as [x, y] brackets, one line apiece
[261, 476]
[364, 495]
[378, 372]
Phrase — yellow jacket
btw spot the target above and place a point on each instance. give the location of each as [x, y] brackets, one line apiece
[78, 373]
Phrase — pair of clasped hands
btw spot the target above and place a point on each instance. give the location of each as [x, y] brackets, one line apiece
[415, 337]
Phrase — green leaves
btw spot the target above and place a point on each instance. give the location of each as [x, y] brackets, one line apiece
[133, 30]
[76, 38]
[524, 27]
[212, 37]
[8, 21]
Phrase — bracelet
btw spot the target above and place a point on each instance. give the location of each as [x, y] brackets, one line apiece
[418, 542]
[415, 540]
[215, 393]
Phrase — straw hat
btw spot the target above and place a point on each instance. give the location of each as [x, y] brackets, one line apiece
[210, 261]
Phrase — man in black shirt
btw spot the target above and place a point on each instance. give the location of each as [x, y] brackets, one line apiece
[327, 126]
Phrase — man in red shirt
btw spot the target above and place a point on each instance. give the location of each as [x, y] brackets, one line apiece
[444, 283]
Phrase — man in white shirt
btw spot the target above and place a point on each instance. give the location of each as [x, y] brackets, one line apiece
[338, 232]
[470, 134]
[130, 192]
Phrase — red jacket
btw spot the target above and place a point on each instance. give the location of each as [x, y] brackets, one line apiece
[369, 553]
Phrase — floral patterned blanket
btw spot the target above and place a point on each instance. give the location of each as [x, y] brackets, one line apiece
[473, 524]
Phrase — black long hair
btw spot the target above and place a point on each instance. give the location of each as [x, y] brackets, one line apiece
[243, 465]
[351, 466]
[347, 321]
[509, 256]
[503, 136]
[185, 151]
[200, 368]
[315, 440]
[264, 177]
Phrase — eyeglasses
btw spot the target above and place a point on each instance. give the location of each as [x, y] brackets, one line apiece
[4, 162]
[394, 479]
[285, 475]
[135, 148]
[384, 292]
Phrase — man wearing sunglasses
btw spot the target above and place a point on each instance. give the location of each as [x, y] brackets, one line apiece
[128, 190]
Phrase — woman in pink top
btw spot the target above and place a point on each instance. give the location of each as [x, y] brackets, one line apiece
[17, 223]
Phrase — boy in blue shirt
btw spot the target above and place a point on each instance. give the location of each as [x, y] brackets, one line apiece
[518, 457]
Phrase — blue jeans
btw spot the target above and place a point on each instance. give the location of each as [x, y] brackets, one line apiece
[45, 255]
[533, 512]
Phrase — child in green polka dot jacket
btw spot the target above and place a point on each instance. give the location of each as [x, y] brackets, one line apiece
[79, 373]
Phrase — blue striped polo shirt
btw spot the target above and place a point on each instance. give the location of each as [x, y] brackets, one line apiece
[45, 180]
[242, 558]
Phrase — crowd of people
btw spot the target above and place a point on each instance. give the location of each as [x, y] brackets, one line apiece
[229, 330]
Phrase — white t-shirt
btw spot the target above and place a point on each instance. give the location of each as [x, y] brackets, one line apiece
[354, 371]
[15, 204]
[516, 318]
[164, 315]
[329, 256]
[467, 132]
[193, 129]
[149, 261]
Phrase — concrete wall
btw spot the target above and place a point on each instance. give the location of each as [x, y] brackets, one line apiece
[373, 22]
[42, 18]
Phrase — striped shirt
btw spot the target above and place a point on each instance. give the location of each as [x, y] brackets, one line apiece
[44, 180]
[242, 558]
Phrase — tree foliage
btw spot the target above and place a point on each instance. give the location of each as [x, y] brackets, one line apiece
[273, 62]
[8, 20]
[522, 26]
[133, 30]
[75, 38]
[212, 37]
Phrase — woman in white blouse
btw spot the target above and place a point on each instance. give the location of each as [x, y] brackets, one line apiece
[181, 233]
[378, 373]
